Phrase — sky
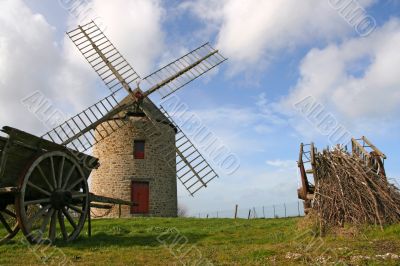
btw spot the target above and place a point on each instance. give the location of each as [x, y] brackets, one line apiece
[341, 55]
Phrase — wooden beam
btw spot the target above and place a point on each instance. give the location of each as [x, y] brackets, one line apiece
[179, 73]
[100, 206]
[300, 161]
[29, 140]
[8, 190]
[190, 166]
[108, 63]
[310, 196]
[26, 140]
[103, 199]
[360, 147]
[4, 146]
[303, 175]
[95, 124]
[373, 147]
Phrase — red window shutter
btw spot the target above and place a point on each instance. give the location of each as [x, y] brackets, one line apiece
[138, 149]
[139, 155]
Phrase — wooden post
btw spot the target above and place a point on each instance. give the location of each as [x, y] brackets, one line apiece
[236, 210]
[89, 222]
[298, 208]
[263, 212]
[249, 214]
[119, 211]
[274, 211]
[284, 205]
[254, 212]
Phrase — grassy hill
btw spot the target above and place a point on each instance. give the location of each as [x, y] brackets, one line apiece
[159, 241]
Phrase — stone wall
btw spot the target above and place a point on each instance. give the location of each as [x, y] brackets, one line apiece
[118, 167]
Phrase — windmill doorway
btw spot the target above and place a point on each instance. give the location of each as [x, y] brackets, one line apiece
[140, 195]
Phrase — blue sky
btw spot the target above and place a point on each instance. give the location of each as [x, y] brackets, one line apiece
[279, 53]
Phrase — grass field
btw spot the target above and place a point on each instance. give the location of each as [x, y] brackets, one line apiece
[159, 241]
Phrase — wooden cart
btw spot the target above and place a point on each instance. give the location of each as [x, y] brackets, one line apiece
[43, 188]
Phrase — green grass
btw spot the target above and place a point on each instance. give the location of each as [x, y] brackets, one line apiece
[162, 241]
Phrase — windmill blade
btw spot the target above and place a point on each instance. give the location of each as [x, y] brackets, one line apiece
[192, 169]
[90, 126]
[177, 74]
[116, 72]
[104, 58]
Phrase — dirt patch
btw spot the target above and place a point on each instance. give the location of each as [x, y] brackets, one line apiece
[385, 246]
[346, 231]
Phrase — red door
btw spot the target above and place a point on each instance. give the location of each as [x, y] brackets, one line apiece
[140, 195]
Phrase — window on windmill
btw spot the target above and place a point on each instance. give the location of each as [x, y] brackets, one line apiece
[138, 149]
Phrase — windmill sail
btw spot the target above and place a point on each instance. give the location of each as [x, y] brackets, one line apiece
[180, 72]
[86, 129]
[102, 55]
[192, 169]
[116, 72]
[97, 122]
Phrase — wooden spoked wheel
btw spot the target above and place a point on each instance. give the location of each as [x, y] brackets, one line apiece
[8, 223]
[54, 199]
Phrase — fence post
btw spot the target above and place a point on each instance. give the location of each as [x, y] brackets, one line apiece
[217, 214]
[298, 207]
[254, 213]
[263, 212]
[236, 210]
[284, 205]
[274, 211]
[119, 211]
[249, 214]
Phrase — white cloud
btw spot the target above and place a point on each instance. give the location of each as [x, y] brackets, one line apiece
[254, 31]
[237, 127]
[278, 163]
[28, 55]
[31, 59]
[134, 27]
[357, 79]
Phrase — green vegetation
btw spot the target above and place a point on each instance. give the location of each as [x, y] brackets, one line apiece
[160, 241]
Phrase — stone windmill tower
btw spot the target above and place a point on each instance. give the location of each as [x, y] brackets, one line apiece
[147, 152]
[134, 165]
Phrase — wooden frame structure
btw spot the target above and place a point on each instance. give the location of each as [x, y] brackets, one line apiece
[362, 148]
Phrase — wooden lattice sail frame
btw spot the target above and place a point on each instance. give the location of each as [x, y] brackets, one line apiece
[193, 171]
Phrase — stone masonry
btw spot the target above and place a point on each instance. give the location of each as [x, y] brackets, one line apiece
[118, 168]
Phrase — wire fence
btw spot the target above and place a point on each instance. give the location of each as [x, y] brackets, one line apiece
[282, 210]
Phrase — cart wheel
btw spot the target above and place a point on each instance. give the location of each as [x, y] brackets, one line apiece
[8, 219]
[54, 199]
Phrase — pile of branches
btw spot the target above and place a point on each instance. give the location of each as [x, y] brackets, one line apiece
[349, 192]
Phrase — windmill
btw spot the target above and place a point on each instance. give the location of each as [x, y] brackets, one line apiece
[93, 125]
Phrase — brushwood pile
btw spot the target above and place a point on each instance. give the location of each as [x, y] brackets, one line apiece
[347, 191]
